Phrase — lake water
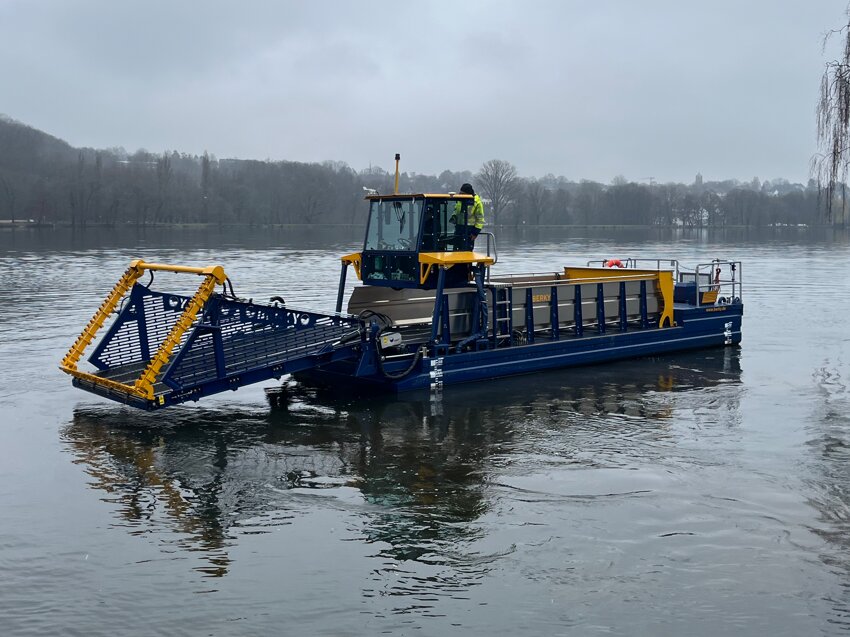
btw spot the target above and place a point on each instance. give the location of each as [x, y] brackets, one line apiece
[698, 494]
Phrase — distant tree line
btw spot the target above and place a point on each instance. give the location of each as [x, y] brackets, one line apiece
[45, 179]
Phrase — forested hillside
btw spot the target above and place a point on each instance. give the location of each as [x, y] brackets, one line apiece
[45, 179]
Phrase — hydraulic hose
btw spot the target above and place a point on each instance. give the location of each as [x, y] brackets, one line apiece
[385, 322]
[404, 373]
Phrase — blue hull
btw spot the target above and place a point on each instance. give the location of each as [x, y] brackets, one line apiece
[696, 328]
[164, 349]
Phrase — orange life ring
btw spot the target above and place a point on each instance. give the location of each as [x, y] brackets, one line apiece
[614, 263]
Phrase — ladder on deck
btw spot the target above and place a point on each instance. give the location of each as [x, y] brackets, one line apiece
[503, 322]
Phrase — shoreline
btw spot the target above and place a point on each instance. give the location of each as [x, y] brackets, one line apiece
[35, 225]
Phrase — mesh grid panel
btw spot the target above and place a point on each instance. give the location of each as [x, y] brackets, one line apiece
[123, 344]
[252, 337]
[256, 337]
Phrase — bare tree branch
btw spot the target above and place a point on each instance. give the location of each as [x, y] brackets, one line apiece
[499, 183]
[829, 166]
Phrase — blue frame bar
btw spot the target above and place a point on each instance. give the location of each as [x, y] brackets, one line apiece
[341, 291]
[445, 319]
[438, 304]
[553, 313]
[579, 321]
[624, 319]
[644, 320]
[144, 346]
[483, 317]
[529, 315]
[510, 315]
[600, 308]
[213, 317]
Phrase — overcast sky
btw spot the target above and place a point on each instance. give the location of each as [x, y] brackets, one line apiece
[584, 89]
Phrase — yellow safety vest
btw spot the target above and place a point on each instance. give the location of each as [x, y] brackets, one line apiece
[476, 215]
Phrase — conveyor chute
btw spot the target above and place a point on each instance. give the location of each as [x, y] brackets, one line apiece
[165, 348]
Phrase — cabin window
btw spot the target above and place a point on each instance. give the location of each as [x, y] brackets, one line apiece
[442, 218]
[394, 224]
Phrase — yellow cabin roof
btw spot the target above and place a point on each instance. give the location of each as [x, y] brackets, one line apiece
[447, 195]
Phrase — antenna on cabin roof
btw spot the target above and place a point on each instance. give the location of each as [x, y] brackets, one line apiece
[397, 157]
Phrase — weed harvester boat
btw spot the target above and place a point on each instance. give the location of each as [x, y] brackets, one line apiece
[427, 313]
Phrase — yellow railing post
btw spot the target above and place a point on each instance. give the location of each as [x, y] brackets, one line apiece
[665, 286]
[106, 308]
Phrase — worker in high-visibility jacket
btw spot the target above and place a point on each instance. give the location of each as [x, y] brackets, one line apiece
[474, 222]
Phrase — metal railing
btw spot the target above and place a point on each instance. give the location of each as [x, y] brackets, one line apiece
[490, 238]
[577, 306]
[718, 282]
[640, 263]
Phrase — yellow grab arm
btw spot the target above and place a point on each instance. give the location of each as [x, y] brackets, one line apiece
[143, 386]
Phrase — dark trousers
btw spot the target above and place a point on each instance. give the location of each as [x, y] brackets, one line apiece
[465, 237]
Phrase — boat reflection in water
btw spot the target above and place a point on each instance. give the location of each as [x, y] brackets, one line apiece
[418, 467]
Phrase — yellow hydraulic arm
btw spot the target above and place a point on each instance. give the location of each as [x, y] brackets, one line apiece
[144, 385]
